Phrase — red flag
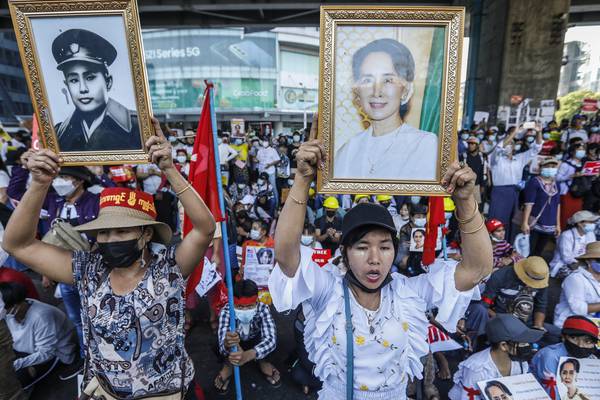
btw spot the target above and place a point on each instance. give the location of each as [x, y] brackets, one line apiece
[435, 218]
[203, 175]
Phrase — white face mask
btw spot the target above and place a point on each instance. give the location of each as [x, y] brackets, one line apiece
[265, 144]
[245, 316]
[530, 139]
[219, 141]
[420, 222]
[517, 147]
[296, 139]
[580, 154]
[181, 159]
[415, 199]
[241, 186]
[260, 182]
[290, 182]
[254, 234]
[587, 228]
[306, 240]
[63, 187]
[447, 215]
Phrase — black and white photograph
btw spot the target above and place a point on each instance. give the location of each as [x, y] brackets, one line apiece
[92, 101]
[88, 81]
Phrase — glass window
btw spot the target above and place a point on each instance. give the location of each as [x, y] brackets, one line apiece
[299, 63]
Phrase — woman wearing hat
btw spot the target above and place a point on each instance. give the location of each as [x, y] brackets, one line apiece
[132, 292]
[572, 242]
[365, 328]
[581, 290]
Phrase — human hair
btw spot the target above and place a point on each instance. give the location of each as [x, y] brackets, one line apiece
[403, 61]
[262, 224]
[310, 228]
[245, 288]
[12, 293]
[573, 361]
[497, 384]
[422, 231]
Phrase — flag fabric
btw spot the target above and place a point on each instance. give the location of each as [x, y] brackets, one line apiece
[35, 136]
[203, 176]
[435, 218]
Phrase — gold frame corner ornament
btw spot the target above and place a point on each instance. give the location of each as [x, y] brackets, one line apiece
[452, 19]
[22, 11]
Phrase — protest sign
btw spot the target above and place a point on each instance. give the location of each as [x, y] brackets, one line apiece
[591, 168]
[259, 264]
[516, 387]
[578, 378]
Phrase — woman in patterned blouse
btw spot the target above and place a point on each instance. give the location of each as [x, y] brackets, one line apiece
[131, 284]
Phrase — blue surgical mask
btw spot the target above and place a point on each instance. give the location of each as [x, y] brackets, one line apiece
[530, 139]
[549, 172]
[415, 199]
[594, 129]
[447, 215]
[492, 138]
[464, 136]
[587, 228]
[580, 154]
[245, 316]
[517, 147]
[595, 266]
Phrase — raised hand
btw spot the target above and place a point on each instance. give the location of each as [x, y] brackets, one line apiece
[311, 154]
[459, 181]
[159, 148]
[44, 166]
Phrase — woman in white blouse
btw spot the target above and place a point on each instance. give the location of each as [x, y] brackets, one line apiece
[571, 243]
[581, 290]
[387, 311]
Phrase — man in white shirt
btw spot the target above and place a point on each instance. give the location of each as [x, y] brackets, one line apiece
[42, 335]
[226, 154]
[581, 290]
[10, 388]
[268, 158]
[507, 170]
[508, 355]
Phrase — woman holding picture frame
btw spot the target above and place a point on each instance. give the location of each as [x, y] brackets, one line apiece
[365, 327]
[131, 284]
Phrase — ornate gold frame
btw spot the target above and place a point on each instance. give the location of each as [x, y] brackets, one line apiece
[22, 11]
[452, 19]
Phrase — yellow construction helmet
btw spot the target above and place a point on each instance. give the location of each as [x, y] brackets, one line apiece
[361, 196]
[311, 192]
[332, 203]
[449, 204]
[383, 197]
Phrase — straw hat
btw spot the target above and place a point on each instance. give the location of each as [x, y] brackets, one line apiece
[533, 271]
[592, 252]
[583, 216]
[126, 208]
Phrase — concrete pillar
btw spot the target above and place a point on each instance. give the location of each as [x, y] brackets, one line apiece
[520, 52]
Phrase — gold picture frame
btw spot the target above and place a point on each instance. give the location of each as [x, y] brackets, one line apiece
[36, 22]
[344, 31]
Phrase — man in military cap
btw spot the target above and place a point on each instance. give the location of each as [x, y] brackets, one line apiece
[98, 122]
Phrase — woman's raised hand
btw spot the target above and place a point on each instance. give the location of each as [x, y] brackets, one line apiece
[311, 154]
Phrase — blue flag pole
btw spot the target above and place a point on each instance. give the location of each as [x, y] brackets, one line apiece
[225, 239]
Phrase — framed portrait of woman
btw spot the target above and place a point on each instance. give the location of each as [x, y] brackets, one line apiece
[389, 90]
[86, 74]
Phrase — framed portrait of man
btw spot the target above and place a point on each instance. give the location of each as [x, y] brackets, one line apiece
[86, 74]
[389, 90]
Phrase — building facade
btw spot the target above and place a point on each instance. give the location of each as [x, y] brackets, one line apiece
[14, 97]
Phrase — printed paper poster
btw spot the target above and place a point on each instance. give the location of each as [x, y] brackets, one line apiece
[578, 378]
[259, 264]
[516, 387]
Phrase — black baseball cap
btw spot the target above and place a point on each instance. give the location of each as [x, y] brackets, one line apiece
[507, 327]
[367, 214]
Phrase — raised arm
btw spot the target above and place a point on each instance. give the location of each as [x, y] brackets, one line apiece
[477, 255]
[20, 233]
[191, 250]
[291, 221]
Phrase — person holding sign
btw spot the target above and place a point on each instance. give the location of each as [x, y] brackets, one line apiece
[366, 327]
[131, 285]
[579, 337]
[508, 355]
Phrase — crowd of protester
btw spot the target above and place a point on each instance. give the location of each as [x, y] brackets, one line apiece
[541, 208]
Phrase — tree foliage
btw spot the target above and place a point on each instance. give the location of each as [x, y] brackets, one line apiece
[570, 104]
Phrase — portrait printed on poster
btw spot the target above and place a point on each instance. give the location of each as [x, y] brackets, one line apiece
[514, 387]
[578, 378]
[93, 101]
[385, 100]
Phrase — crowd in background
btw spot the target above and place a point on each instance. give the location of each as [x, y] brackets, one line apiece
[542, 209]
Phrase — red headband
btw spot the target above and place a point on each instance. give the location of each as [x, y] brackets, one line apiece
[582, 325]
[128, 198]
[245, 301]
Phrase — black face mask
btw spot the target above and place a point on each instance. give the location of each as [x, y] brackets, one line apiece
[121, 254]
[523, 353]
[578, 352]
[330, 214]
[351, 278]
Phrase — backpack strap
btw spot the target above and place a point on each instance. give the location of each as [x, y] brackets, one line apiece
[349, 345]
